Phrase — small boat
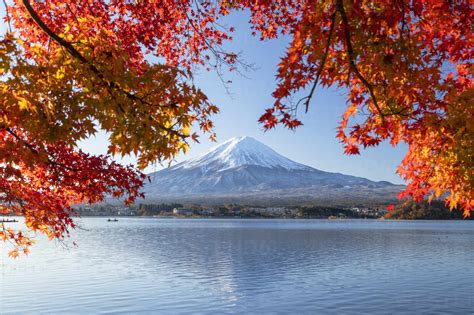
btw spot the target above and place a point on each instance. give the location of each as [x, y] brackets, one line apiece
[112, 220]
[8, 221]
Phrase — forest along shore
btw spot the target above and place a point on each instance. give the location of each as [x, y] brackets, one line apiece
[410, 211]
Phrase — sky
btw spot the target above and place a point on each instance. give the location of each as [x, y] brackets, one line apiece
[313, 144]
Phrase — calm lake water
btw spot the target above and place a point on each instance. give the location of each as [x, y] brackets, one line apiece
[247, 266]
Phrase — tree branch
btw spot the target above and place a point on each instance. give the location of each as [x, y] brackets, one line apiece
[19, 139]
[76, 54]
[30, 147]
[7, 15]
[351, 55]
[323, 62]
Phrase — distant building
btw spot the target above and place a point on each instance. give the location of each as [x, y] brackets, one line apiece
[182, 211]
[207, 211]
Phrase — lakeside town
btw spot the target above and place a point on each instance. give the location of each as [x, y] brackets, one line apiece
[231, 211]
[436, 210]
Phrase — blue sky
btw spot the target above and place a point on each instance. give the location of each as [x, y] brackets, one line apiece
[313, 144]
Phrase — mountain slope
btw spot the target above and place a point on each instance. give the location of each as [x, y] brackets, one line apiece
[244, 166]
[240, 151]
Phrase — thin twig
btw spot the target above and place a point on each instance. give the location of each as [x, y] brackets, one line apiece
[323, 61]
[7, 15]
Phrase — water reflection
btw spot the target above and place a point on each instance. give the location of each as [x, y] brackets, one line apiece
[248, 266]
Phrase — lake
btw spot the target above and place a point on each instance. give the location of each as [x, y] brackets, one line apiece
[146, 265]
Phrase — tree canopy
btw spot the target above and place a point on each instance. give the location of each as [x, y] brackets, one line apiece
[69, 68]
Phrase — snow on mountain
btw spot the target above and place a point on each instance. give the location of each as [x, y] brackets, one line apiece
[242, 166]
[240, 151]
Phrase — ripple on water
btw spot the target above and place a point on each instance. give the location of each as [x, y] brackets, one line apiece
[286, 266]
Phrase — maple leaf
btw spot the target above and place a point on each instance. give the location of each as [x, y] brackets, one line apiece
[69, 69]
[391, 60]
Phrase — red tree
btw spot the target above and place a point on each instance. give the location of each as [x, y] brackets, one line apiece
[68, 67]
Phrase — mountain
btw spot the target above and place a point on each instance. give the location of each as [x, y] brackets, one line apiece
[245, 167]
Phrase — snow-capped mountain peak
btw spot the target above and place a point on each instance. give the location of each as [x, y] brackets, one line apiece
[244, 166]
[241, 151]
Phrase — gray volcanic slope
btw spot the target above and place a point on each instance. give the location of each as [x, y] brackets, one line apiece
[244, 166]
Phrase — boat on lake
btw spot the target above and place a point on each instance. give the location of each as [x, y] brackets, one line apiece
[8, 220]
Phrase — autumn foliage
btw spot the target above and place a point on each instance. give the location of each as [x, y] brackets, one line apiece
[69, 68]
[407, 66]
